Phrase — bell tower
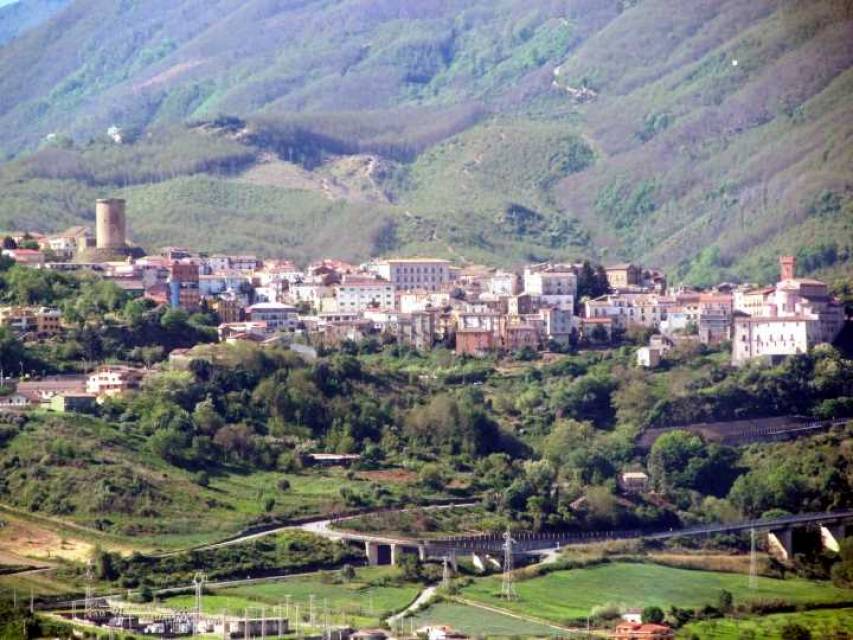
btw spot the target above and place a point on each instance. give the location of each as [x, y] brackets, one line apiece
[787, 267]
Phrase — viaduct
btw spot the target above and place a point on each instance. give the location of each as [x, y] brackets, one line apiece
[785, 535]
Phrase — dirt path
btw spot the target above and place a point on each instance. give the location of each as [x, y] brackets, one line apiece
[423, 597]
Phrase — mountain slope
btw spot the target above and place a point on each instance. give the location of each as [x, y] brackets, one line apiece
[704, 140]
[17, 17]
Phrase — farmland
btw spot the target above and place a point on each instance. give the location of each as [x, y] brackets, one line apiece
[563, 596]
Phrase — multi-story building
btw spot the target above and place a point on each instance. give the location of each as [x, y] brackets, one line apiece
[184, 286]
[278, 317]
[112, 380]
[38, 320]
[623, 276]
[798, 314]
[430, 274]
[358, 293]
[551, 280]
[503, 283]
[627, 309]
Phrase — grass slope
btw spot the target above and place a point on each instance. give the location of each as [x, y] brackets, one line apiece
[480, 623]
[563, 596]
[89, 473]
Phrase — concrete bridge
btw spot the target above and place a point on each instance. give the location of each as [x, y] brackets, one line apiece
[783, 535]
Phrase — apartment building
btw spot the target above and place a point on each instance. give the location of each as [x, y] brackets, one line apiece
[38, 320]
[430, 274]
[359, 293]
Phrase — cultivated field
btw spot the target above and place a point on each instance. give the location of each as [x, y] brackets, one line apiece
[563, 596]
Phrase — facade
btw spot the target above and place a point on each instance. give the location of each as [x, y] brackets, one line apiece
[503, 283]
[38, 320]
[475, 342]
[32, 257]
[629, 309]
[623, 276]
[648, 357]
[112, 380]
[429, 274]
[361, 293]
[795, 316]
[277, 316]
[634, 482]
[550, 281]
[184, 286]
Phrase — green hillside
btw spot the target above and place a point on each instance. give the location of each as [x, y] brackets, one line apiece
[704, 140]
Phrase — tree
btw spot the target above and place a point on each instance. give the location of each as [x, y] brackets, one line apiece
[652, 615]
[669, 457]
[725, 601]
[842, 571]
[795, 631]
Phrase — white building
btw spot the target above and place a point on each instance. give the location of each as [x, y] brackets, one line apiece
[361, 293]
[430, 274]
[626, 309]
[648, 357]
[503, 283]
[796, 315]
[550, 281]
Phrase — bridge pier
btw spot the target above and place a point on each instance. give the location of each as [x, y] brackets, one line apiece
[831, 536]
[781, 543]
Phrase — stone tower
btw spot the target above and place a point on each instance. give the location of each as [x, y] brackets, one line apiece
[110, 224]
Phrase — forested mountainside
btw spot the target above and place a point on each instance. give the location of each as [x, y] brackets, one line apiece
[704, 139]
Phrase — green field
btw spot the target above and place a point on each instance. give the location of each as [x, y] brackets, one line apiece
[828, 623]
[563, 596]
[478, 622]
[374, 594]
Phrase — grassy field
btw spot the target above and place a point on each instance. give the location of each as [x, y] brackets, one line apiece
[827, 623]
[375, 593]
[566, 595]
[478, 622]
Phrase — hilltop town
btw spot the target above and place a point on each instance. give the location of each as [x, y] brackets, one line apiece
[426, 302]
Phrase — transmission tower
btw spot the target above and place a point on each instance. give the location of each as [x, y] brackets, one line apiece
[198, 582]
[753, 561]
[445, 573]
[88, 603]
[508, 586]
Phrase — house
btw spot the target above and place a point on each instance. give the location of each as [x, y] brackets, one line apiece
[333, 459]
[475, 341]
[15, 400]
[370, 634]
[550, 280]
[633, 615]
[25, 256]
[442, 632]
[430, 274]
[634, 481]
[629, 309]
[228, 330]
[623, 276]
[279, 317]
[503, 283]
[648, 357]
[596, 330]
[72, 403]
[113, 380]
[640, 631]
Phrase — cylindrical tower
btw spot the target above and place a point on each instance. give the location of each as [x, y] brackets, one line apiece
[110, 223]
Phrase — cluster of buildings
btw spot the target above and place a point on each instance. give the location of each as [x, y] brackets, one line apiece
[427, 301]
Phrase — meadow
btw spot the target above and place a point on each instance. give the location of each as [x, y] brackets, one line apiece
[478, 622]
[564, 596]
